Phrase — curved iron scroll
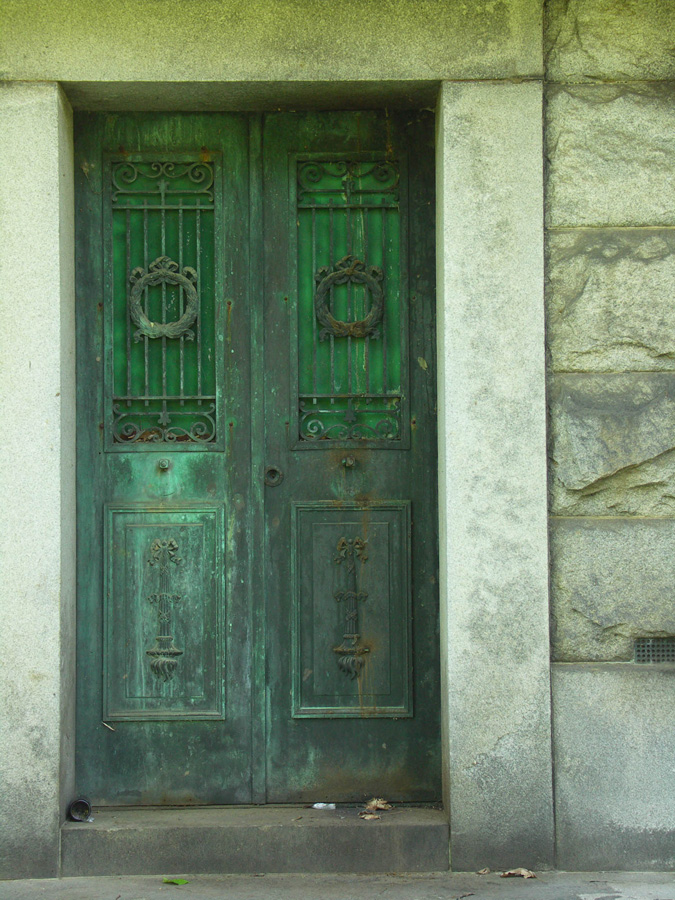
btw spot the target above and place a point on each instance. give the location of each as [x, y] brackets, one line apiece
[161, 270]
[349, 269]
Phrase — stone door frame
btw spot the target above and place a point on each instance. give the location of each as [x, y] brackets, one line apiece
[492, 471]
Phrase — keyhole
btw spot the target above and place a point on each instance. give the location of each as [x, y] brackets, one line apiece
[273, 476]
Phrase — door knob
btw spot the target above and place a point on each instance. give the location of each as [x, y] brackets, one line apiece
[273, 476]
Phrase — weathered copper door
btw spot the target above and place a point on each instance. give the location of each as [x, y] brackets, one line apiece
[349, 390]
[257, 584]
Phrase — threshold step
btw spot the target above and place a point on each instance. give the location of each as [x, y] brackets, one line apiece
[248, 840]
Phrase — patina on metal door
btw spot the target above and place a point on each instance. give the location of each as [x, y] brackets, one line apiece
[256, 450]
[351, 458]
[164, 646]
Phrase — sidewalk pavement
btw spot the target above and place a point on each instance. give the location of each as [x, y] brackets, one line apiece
[439, 886]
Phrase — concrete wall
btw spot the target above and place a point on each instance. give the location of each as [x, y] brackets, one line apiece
[611, 342]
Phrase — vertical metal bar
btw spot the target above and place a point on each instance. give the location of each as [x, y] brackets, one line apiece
[364, 218]
[128, 291]
[163, 221]
[384, 313]
[199, 301]
[403, 302]
[332, 337]
[145, 265]
[181, 300]
[348, 227]
[314, 327]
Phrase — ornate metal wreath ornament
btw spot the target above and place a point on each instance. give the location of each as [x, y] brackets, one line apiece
[349, 269]
[164, 270]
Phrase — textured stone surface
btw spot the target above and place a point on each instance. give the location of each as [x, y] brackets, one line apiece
[492, 475]
[611, 581]
[614, 733]
[611, 443]
[267, 40]
[394, 886]
[610, 300]
[611, 150]
[643, 489]
[265, 839]
[601, 39]
[37, 474]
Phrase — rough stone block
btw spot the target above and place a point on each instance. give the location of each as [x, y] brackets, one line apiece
[610, 300]
[612, 439]
[614, 733]
[611, 582]
[592, 39]
[611, 152]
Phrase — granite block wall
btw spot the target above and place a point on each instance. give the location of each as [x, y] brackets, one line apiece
[610, 299]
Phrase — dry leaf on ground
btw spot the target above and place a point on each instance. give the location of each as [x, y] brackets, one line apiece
[377, 803]
[483, 872]
[518, 873]
[368, 815]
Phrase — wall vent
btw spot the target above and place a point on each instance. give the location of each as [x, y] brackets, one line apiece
[655, 650]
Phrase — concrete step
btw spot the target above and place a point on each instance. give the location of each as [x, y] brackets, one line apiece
[249, 840]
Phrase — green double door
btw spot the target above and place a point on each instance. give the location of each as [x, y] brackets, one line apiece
[257, 590]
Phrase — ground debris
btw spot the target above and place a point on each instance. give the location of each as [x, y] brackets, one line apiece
[370, 811]
[377, 803]
[518, 873]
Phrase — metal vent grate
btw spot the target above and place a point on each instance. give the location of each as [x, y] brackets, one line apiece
[655, 650]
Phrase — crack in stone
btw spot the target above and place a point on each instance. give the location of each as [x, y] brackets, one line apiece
[602, 482]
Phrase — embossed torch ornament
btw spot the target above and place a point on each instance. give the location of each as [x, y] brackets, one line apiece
[350, 654]
[164, 654]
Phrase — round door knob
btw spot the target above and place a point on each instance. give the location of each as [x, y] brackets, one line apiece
[164, 464]
[348, 462]
[273, 476]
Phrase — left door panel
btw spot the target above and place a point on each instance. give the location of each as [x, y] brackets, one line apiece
[164, 625]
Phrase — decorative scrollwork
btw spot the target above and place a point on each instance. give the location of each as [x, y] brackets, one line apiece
[351, 652]
[165, 270]
[319, 423]
[348, 178]
[129, 428]
[349, 269]
[164, 655]
[126, 174]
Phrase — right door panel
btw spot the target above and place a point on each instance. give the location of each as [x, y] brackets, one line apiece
[350, 456]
